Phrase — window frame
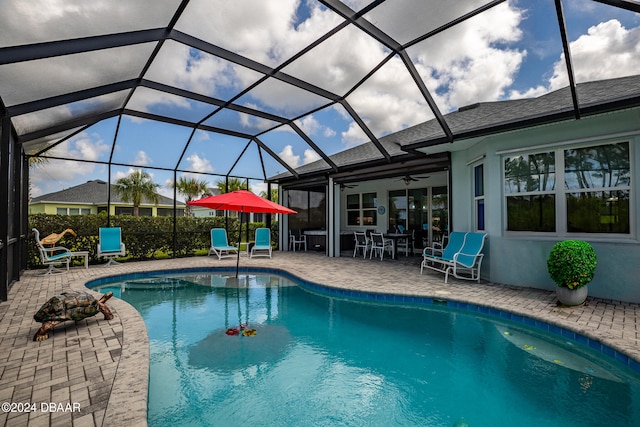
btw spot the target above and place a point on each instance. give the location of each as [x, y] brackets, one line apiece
[67, 211]
[478, 198]
[361, 209]
[561, 193]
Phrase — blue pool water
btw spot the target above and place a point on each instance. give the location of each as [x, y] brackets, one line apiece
[322, 361]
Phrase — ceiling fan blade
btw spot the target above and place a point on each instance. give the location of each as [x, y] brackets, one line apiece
[343, 186]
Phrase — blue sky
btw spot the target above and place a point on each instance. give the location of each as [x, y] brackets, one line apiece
[511, 51]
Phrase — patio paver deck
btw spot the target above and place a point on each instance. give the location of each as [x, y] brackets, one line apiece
[103, 365]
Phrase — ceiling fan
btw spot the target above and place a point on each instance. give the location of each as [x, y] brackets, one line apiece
[343, 186]
[408, 178]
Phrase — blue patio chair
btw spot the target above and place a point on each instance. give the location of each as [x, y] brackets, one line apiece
[262, 246]
[435, 253]
[53, 256]
[438, 259]
[469, 259]
[110, 244]
[220, 244]
[461, 257]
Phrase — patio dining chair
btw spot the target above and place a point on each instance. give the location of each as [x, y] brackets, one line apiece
[361, 242]
[380, 244]
[220, 244]
[297, 239]
[406, 244]
[53, 256]
[263, 243]
[110, 244]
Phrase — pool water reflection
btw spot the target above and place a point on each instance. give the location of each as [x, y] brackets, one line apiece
[316, 360]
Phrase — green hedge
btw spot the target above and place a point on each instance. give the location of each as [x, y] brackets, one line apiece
[144, 237]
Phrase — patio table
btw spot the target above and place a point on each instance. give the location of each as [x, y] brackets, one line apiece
[84, 254]
[397, 236]
[247, 247]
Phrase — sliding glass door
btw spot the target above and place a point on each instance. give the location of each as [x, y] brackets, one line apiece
[423, 210]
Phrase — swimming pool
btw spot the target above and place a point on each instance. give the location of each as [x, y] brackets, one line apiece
[329, 360]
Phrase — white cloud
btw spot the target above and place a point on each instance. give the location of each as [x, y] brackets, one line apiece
[55, 175]
[202, 135]
[311, 126]
[254, 123]
[328, 132]
[469, 67]
[260, 30]
[310, 156]
[200, 164]
[620, 45]
[122, 174]
[142, 159]
[533, 92]
[258, 188]
[474, 61]
[354, 136]
[289, 157]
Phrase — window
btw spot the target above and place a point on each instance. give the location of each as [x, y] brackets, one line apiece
[439, 212]
[397, 208]
[311, 206]
[362, 209]
[597, 182]
[478, 196]
[593, 196]
[423, 210]
[125, 210]
[73, 211]
[530, 189]
[169, 211]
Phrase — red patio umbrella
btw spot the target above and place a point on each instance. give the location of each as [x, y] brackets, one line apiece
[241, 201]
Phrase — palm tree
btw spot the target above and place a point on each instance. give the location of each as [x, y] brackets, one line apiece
[135, 187]
[191, 188]
[35, 162]
[274, 195]
[234, 184]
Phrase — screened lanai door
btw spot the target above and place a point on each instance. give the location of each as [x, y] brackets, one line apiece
[423, 210]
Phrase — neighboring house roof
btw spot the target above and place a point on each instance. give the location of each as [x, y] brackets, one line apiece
[487, 118]
[93, 193]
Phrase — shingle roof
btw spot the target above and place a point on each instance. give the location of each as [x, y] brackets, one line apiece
[488, 115]
[93, 193]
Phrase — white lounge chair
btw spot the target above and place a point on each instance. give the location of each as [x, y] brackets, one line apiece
[53, 256]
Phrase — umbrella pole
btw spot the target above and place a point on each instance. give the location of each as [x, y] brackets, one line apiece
[239, 240]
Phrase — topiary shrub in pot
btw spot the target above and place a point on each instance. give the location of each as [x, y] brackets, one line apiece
[571, 264]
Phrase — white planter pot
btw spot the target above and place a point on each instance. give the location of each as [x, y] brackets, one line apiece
[572, 297]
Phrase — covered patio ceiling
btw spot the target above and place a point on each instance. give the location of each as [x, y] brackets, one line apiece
[258, 89]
